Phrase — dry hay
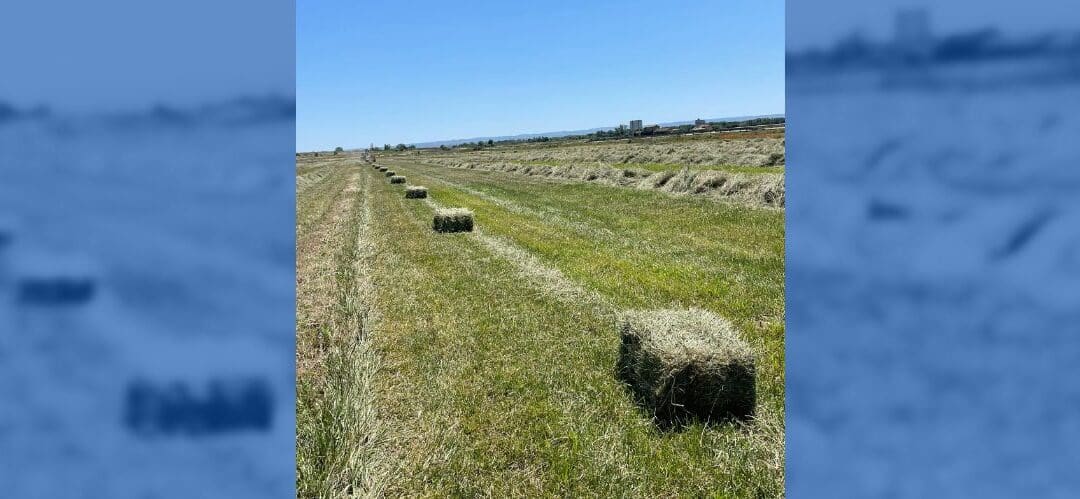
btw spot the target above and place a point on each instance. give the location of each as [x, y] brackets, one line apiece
[415, 192]
[389, 173]
[718, 150]
[397, 179]
[453, 220]
[686, 364]
[759, 189]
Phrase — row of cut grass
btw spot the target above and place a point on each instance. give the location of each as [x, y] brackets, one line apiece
[337, 429]
[495, 387]
[666, 167]
[663, 167]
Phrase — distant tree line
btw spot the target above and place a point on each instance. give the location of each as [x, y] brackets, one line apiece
[723, 125]
[621, 131]
[399, 147]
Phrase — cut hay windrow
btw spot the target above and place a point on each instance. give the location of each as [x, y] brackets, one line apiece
[453, 220]
[759, 189]
[397, 179]
[685, 364]
[415, 192]
[728, 150]
[390, 173]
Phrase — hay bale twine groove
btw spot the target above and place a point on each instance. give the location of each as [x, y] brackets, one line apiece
[686, 364]
[397, 179]
[453, 220]
[415, 192]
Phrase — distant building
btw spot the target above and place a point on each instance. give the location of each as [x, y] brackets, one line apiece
[701, 128]
[635, 126]
[699, 122]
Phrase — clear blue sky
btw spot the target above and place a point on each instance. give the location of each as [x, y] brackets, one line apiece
[108, 55]
[397, 71]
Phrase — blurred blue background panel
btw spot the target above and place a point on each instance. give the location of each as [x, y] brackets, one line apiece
[933, 249]
[146, 249]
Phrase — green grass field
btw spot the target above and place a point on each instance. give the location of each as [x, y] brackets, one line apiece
[488, 358]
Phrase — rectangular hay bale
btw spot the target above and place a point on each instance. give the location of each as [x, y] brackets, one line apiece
[397, 179]
[415, 192]
[685, 364]
[453, 220]
[390, 173]
[383, 168]
[55, 290]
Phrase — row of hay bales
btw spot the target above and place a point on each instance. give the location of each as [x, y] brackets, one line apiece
[446, 220]
[680, 365]
[760, 189]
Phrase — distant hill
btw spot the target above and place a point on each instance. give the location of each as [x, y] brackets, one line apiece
[239, 111]
[9, 112]
[565, 133]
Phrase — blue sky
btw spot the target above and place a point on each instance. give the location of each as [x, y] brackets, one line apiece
[389, 72]
[109, 55]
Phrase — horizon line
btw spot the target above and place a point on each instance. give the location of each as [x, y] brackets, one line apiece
[568, 131]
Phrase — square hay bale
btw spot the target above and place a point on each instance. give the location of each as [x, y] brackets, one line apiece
[415, 192]
[685, 364]
[390, 173]
[55, 290]
[453, 220]
[397, 179]
[383, 168]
